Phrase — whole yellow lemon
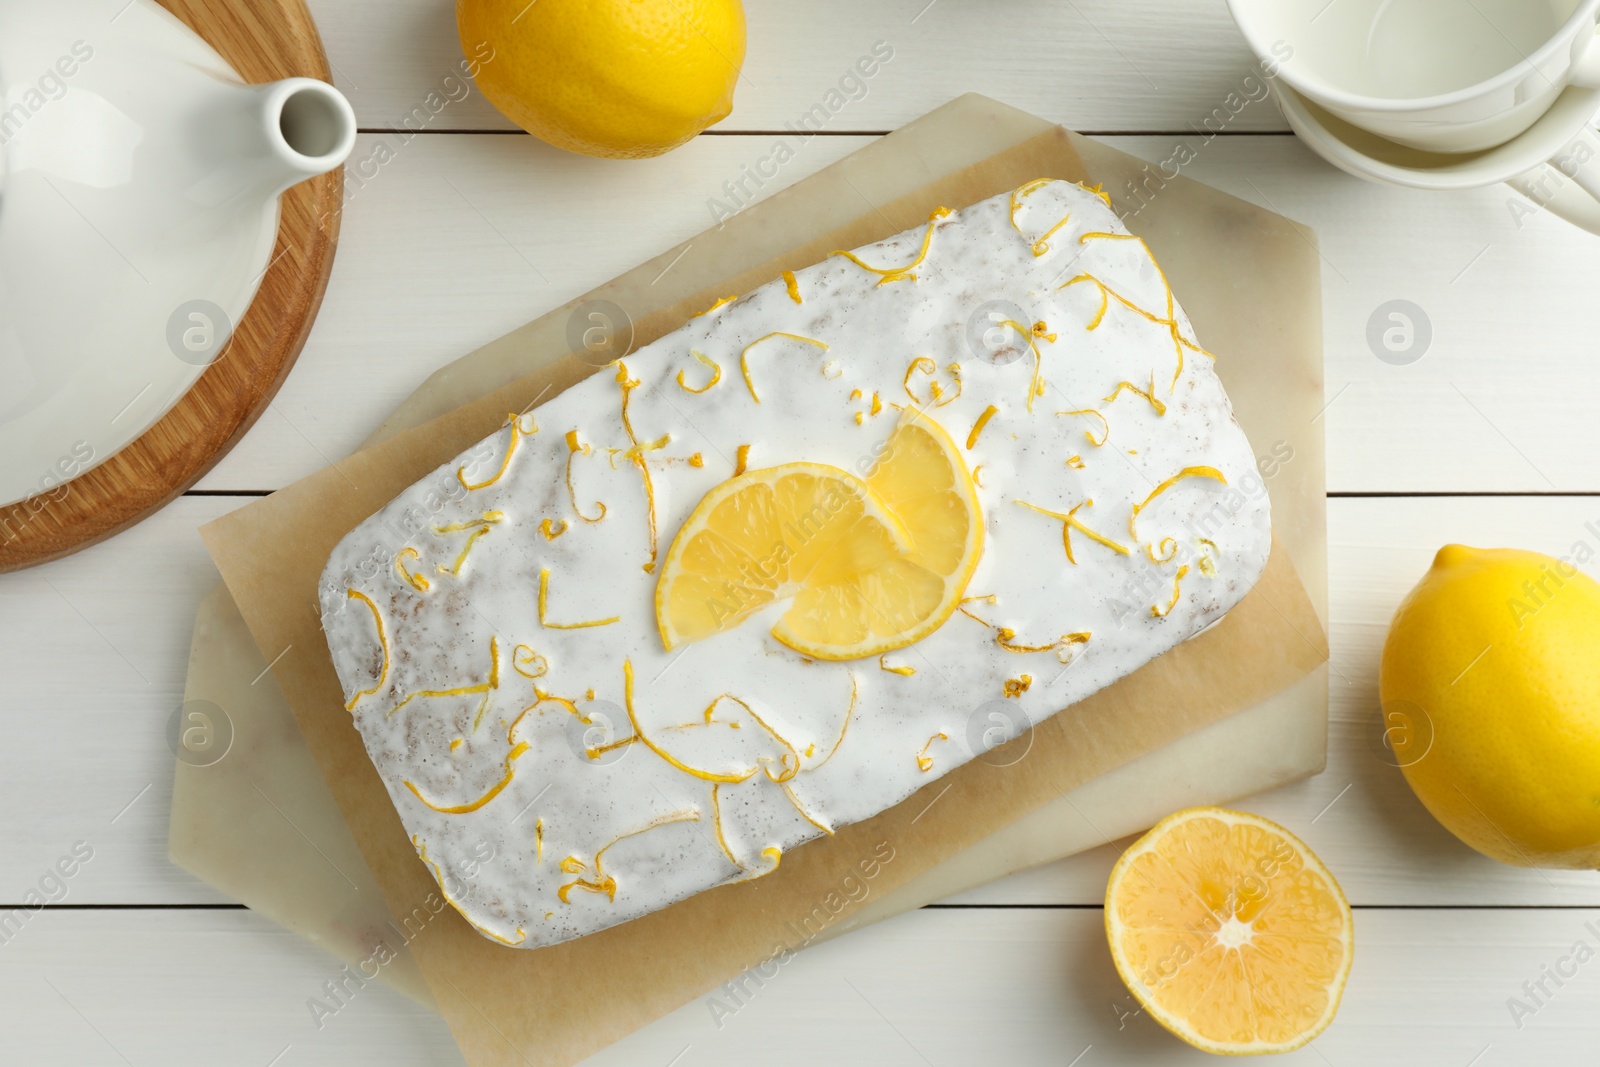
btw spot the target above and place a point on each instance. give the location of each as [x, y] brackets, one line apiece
[1490, 685]
[617, 78]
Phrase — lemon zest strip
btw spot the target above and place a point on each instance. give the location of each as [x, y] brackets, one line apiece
[921, 363]
[716, 372]
[1105, 425]
[936, 397]
[603, 882]
[525, 655]
[793, 753]
[741, 460]
[1097, 191]
[771, 852]
[925, 761]
[633, 719]
[1062, 646]
[544, 593]
[461, 691]
[1041, 246]
[573, 449]
[1070, 522]
[416, 580]
[383, 642]
[1179, 342]
[849, 714]
[1187, 472]
[1004, 638]
[904, 672]
[1029, 333]
[894, 274]
[1168, 546]
[596, 753]
[716, 825]
[744, 356]
[517, 434]
[1015, 687]
[788, 791]
[1208, 562]
[1107, 292]
[1156, 610]
[989, 598]
[554, 530]
[977, 427]
[792, 283]
[572, 709]
[438, 876]
[471, 806]
[1150, 395]
[478, 526]
[720, 303]
[636, 453]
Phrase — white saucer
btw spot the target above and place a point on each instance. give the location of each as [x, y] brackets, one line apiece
[1366, 155]
[1521, 161]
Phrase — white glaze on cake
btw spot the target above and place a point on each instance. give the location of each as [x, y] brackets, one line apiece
[480, 766]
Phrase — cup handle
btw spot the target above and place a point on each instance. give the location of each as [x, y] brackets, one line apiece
[1569, 185]
[1553, 192]
[1586, 68]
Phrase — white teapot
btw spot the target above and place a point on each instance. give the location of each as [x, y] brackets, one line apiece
[139, 182]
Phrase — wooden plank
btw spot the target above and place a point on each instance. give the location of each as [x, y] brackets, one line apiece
[1025, 986]
[1502, 397]
[200, 988]
[1092, 64]
[456, 240]
[118, 678]
[93, 653]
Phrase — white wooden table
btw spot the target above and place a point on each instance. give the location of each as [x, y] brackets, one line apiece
[472, 229]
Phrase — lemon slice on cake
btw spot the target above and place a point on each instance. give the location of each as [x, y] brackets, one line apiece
[1230, 932]
[870, 565]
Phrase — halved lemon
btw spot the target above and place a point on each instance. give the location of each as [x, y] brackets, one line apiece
[870, 565]
[1230, 932]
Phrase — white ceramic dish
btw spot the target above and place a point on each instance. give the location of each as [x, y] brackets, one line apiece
[1563, 134]
[139, 182]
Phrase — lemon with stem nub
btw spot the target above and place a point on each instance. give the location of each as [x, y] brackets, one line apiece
[1490, 686]
[614, 78]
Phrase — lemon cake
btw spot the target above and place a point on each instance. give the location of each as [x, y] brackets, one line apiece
[781, 568]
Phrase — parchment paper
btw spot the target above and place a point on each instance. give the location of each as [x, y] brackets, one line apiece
[555, 1005]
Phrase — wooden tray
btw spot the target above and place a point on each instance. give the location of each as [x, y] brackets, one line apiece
[264, 40]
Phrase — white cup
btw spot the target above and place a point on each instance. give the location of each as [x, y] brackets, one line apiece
[1439, 75]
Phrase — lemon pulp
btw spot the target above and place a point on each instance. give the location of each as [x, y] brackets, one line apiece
[1230, 932]
[870, 565]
